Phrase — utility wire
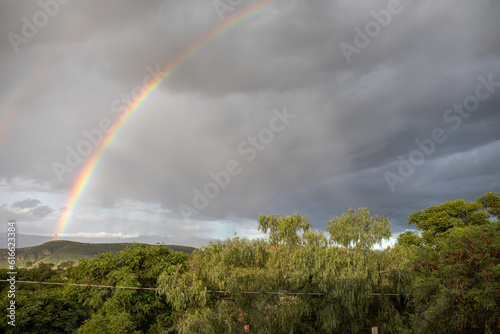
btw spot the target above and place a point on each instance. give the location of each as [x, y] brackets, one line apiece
[211, 291]
[85, 285]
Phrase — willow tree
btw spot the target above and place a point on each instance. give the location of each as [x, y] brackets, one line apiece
[358, 229]
[284, 230]
[288, 282]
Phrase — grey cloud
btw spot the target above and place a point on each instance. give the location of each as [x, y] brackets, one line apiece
[27, 203]
[353, 120]
[42, 211]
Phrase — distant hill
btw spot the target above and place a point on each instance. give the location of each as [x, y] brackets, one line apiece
[61, 251]
[27, 240]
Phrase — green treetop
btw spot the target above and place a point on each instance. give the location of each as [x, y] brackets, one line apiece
[436, 220]
[409, 238]
[358, 230]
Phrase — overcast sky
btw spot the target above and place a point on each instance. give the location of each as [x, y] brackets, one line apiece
[307, 107]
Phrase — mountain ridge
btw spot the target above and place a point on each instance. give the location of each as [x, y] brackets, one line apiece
[29, 240]
[60, 252]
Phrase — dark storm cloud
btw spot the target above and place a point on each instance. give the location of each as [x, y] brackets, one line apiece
[353, 119]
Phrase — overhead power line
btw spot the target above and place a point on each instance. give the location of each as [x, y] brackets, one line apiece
[84, 285]
[210, 291]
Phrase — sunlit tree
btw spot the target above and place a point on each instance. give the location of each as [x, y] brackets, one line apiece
[409, 238]
[436, 220]
[301, 284]
[358, 229]
[457, 273]
[128, 310]
[457, 287]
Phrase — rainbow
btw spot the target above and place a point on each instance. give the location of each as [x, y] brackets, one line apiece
[83, 179]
